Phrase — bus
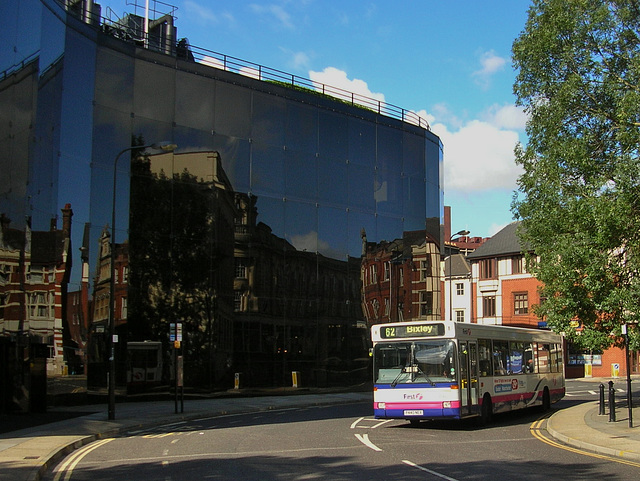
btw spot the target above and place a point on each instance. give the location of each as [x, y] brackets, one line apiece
[455, 370]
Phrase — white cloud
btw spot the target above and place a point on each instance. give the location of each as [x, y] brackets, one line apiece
[478, 157]
[506, 117]
[298, 60]
[203, 14]
[490, 64]
[275, 11]
[311, 243]
[334, 77]
[494, 228]
[250, 72]
[212, 62]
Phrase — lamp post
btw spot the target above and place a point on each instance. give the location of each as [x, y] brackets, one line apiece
[459, 233]
[111, 380]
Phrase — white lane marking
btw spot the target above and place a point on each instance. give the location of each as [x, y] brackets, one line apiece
[364, 439]
[414, 465]
[355, 423]
[380, 423]
[375, 423]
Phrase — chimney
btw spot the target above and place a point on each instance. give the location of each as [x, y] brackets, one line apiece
[67, 213]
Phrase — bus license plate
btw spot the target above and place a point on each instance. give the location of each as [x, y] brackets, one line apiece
[413, 412]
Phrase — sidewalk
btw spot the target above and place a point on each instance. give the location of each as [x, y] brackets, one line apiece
[27, 454]
[582, 426]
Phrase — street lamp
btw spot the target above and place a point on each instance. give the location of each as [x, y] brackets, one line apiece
[111, 380]
[459, 233]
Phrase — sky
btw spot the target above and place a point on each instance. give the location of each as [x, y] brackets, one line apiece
[448, 61]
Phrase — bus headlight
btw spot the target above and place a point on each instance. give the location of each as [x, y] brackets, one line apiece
[446, 405]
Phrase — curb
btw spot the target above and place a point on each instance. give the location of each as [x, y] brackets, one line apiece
[580, 444]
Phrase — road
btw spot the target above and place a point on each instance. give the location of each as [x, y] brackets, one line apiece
[343, 443]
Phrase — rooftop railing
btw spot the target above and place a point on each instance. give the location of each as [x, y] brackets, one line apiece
[130, 28]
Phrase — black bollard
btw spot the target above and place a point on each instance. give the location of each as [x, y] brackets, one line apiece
[601, 412]
[612, 403]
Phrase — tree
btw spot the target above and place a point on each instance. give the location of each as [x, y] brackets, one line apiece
[578, 79]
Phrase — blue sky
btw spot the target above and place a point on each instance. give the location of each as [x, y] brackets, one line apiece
[450, 61]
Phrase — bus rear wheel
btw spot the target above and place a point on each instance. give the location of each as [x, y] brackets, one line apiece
[546, 400]
[486, 410]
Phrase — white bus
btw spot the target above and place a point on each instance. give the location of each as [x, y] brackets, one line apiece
[455, 370]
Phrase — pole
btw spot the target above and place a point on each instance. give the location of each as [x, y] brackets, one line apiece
[626, 356]
[450, 288]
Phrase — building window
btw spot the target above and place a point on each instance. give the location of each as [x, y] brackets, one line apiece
[241, 268]
[521, 303]
[459, 316]
[237, 301]
[5, 272]
[401, 277]
[489, 306]
[374, 274]
[517, 264]
[125, 274]
[459, 289]
[124, 308]
[39, 305]
[426, 303]
[425, 269]
[488, 269]
[386, 270]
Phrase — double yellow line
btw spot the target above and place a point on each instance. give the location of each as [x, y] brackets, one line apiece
[538, 432]
[66, 469]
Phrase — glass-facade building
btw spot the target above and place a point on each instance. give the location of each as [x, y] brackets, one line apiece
[242, 250]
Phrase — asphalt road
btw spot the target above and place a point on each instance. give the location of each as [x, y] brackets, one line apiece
[342, 443]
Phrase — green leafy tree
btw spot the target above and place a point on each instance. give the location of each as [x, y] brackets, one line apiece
[578, 78]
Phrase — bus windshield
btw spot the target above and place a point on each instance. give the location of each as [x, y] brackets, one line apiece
[408, 362]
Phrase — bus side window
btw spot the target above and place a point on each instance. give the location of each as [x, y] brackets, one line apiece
[500, 357]
[544, 352]
[516, 359]
[529, 363]
[484, 354]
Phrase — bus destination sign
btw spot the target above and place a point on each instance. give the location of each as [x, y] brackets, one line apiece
[413, 330]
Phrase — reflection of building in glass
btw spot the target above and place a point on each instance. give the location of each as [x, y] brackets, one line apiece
[78, 315]
[295, 310]
[305, 171]
[34, 273]
[400, 279]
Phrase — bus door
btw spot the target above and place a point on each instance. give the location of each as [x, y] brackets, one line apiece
[468, 361]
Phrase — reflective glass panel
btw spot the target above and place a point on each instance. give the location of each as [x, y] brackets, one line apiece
[232, 115]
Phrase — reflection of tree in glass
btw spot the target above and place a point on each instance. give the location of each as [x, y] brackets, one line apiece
[181, 241]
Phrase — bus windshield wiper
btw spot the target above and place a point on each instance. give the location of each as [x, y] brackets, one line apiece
[394, 383]
[420, 371]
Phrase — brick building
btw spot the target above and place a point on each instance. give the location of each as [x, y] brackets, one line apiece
[504, 293]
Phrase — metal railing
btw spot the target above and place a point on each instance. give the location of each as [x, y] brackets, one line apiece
[128, 30]
[260, 72]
